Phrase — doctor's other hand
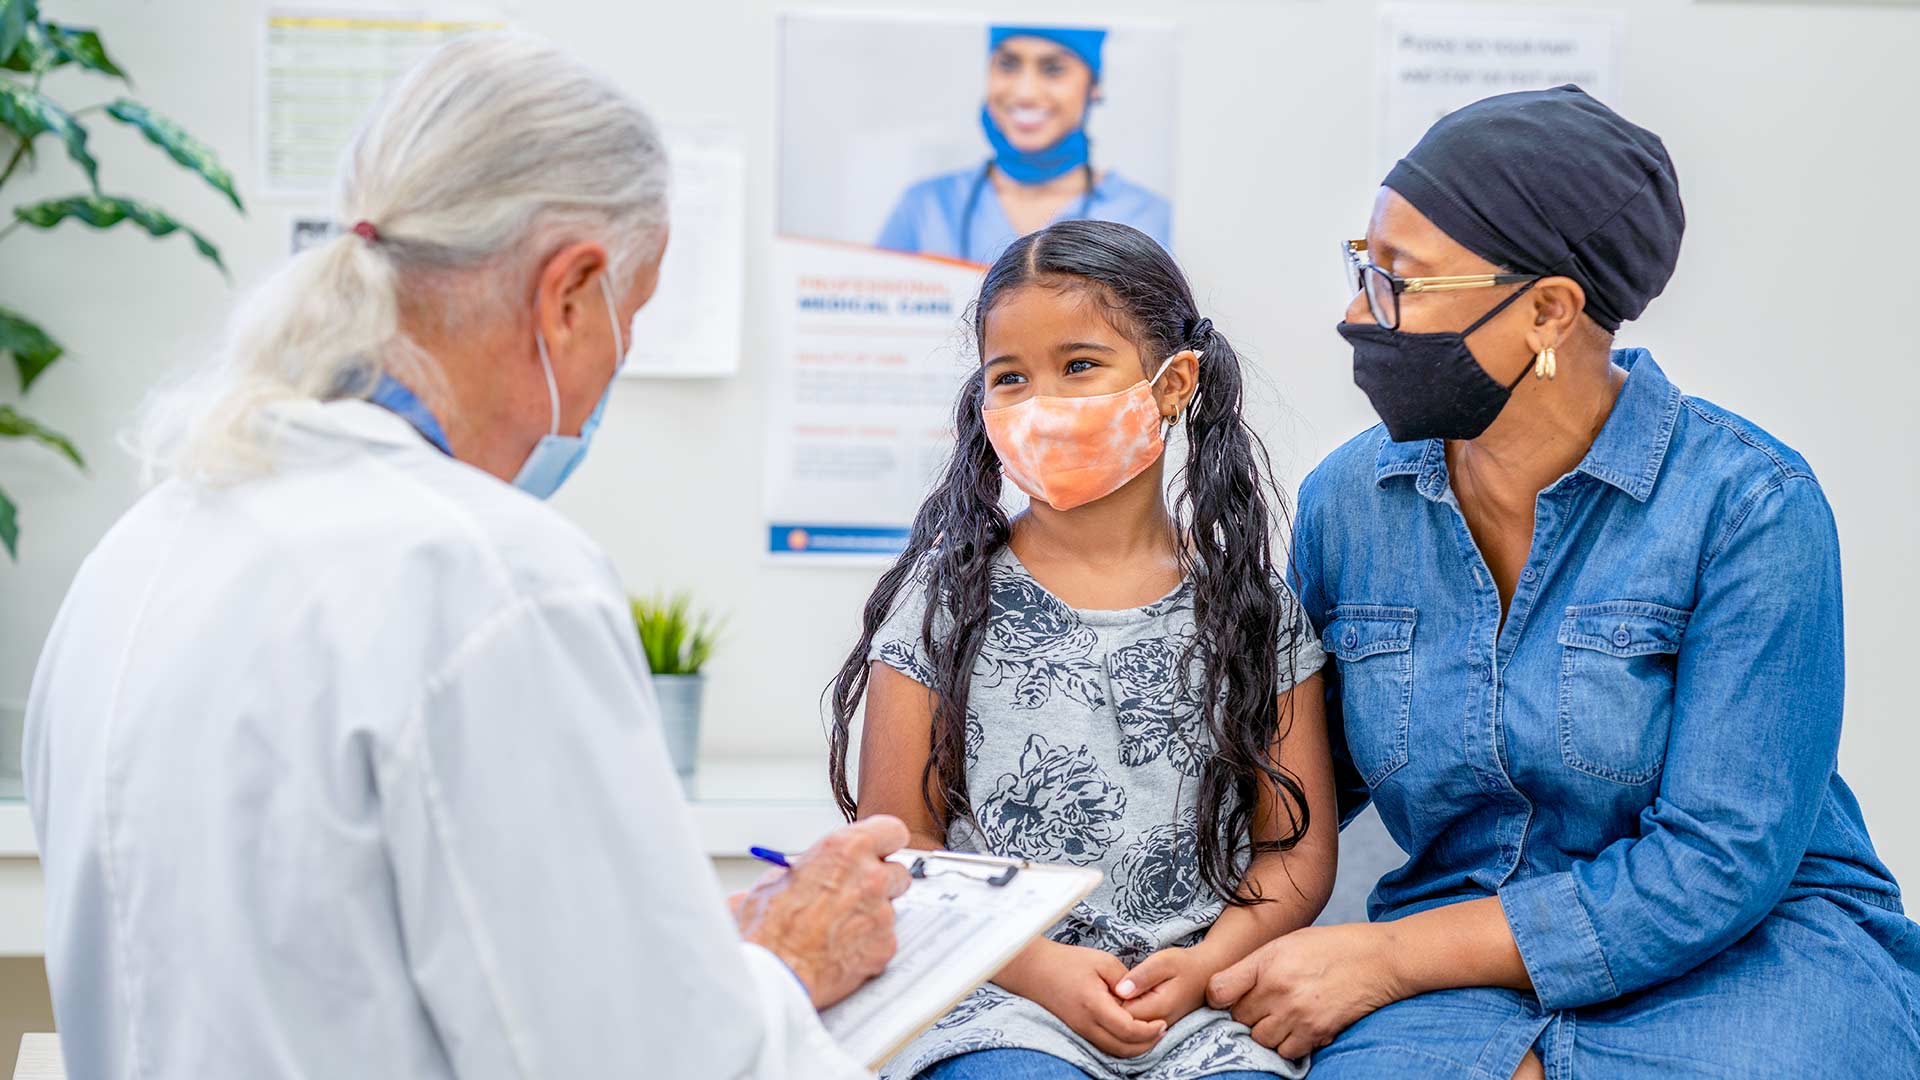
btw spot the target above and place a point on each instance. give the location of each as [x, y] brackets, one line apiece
[1299, 991]
[830, 917]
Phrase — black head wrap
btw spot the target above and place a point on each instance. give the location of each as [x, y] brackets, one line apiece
[1552, 182]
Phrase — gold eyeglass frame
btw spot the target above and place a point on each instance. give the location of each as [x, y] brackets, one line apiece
[1357, 261]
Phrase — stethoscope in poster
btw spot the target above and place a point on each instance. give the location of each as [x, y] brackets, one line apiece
[912, 152]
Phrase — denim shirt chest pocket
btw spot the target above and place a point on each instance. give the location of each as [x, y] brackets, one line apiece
[1616, 688]
[1373, 646]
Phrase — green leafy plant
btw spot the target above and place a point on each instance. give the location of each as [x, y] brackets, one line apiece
[30, 47]
[676, 641]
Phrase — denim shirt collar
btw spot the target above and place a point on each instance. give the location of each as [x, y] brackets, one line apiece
[1627, 454]
[391, 394]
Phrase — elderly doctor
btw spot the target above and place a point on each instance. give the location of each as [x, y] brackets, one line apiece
[342, 757]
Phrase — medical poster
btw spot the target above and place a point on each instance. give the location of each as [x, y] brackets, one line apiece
[691, 326]
[322, 70]
[912, 152]
[1433, 60]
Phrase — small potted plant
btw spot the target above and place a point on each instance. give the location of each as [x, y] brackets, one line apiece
[677, 643]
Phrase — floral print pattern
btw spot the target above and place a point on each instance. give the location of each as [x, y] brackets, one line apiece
[908, 659]
[1058, 807]
[974, 1040]
[973, 1006]
[1157, 704]
[1084, 737]
[1036, 643]
[976, 736]
[1159, 875]
[1217, 1051]
[911, 661]
[1102, 930]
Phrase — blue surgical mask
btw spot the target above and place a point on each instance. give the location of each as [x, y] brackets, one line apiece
[555, 456]
[1035, 166]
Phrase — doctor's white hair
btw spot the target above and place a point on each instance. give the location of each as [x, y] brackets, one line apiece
[492, 154]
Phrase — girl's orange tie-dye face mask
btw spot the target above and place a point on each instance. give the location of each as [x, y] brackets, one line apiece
[1070, 451]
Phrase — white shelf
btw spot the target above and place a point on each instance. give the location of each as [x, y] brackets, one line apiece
[777, 802]
[16, 831]
[22, 896]
[737, 803]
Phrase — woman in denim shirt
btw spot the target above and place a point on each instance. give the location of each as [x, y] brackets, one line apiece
[1588, 664]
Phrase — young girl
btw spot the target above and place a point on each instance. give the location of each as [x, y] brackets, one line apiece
[1038, 688]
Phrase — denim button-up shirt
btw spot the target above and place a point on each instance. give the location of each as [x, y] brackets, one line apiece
[1640, 763]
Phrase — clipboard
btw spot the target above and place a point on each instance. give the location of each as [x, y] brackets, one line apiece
[963, 918]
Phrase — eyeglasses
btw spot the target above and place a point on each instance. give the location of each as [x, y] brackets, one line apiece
[1383, 289]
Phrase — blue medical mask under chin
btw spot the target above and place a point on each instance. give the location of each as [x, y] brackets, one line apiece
[555, 456]
[1036, 166]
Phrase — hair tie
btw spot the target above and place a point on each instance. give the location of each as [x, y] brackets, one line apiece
[1197, 331]
[365, 230]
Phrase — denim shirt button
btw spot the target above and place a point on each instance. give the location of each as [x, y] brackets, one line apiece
[1622, 639]
[1527, 574]
[1352, 638]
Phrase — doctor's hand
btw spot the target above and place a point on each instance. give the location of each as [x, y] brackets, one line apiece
[1299, 991]
[830, 917]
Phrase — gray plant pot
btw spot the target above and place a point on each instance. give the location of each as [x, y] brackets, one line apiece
[680, 697]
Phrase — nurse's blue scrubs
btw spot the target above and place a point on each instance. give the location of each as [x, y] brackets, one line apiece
[958, 216]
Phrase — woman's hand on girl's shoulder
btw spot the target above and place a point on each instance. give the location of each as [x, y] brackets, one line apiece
[1298, 992]
[1076, 984]
[1169, 984]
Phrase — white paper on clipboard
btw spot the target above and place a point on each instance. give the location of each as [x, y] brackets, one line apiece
[955, 929]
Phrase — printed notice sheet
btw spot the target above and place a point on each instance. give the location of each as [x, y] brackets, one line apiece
[691, 327]
[322, 70]
[1433, 60]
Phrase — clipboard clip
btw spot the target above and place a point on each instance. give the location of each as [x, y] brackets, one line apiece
[920, 871]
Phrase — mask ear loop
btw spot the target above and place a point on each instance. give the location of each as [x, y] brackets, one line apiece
[1497, 309]
[553, 388]
[546, 362]
[613, 320]
[1164, 365]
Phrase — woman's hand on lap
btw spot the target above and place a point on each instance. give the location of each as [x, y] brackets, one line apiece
[1300, 991]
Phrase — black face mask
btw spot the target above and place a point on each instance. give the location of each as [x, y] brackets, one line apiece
[1428, 386]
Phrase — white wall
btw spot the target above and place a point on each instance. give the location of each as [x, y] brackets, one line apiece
[1791, 125]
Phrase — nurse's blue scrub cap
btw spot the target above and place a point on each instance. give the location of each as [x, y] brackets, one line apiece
[1081, 42]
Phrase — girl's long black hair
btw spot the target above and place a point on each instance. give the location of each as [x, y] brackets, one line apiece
[1225, 507]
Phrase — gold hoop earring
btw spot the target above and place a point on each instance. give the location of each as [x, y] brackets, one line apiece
[1545, 366]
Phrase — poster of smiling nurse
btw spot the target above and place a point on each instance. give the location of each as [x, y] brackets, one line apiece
[953, 138]
[913, 150]
[1042, 84]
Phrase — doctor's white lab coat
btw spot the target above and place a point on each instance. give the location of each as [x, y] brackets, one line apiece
[354, 770]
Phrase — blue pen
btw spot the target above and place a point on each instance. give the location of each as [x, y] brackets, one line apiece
[770, 855]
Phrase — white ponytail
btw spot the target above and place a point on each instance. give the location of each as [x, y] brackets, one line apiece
[486, 158]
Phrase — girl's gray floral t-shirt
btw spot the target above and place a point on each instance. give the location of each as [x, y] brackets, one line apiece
[1085, 744]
